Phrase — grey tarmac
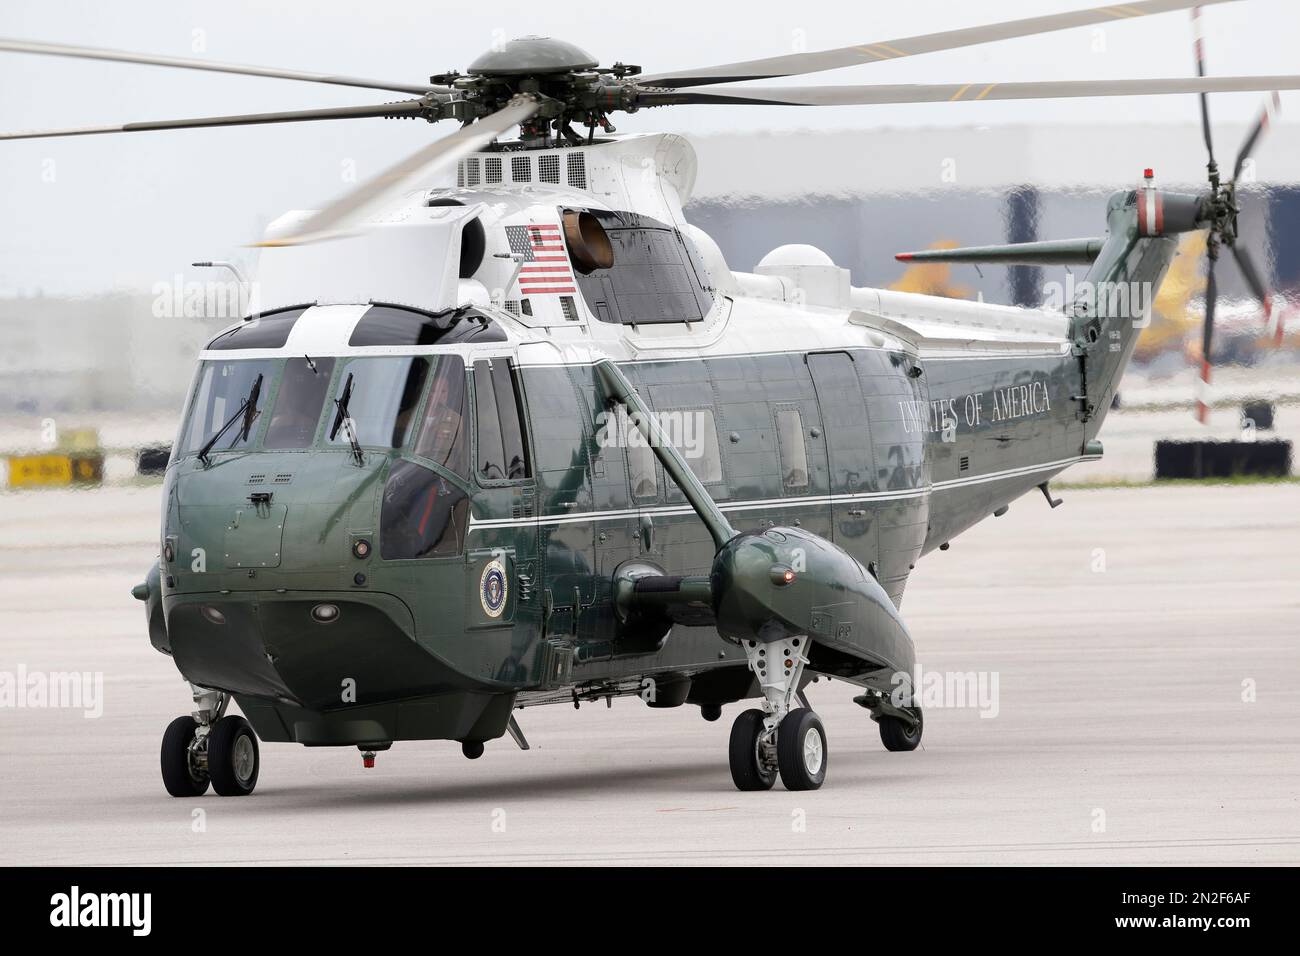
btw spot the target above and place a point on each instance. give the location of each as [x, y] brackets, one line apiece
[1128, 630]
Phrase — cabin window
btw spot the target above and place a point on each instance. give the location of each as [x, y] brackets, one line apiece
[385, 394]
[303, 386]
[223, 387]
[443, 436]
[640, 459]
[697, 439]
[423, 515]
[498, 423]
[790, 446]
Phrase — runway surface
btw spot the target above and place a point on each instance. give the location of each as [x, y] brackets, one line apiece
[1145, 643]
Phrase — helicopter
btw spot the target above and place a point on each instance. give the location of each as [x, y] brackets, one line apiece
[529, 440]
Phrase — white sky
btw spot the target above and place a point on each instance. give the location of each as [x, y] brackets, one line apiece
[129, 210]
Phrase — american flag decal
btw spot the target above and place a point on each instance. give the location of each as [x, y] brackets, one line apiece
[545, 266]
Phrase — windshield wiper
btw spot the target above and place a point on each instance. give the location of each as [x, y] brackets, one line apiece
[247, 409]
[344, 417]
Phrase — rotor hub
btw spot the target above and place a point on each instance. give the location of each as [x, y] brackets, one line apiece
[533, 56]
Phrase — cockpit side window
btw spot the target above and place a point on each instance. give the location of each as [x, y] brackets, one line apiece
[502, 455]
[444, 432]
[423, 515]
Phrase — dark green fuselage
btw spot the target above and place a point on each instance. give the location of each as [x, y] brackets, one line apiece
[903, 449]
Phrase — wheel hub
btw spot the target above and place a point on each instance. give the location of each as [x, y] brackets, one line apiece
[242, 759]
[812, 751]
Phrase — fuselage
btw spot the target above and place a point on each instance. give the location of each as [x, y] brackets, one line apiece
[464, 550]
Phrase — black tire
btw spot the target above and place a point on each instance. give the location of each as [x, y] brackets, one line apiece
[801, 750]
[897, 736]
[233, 760]
[473, 749]
[747, 771]
[180, 776]
[710, 712]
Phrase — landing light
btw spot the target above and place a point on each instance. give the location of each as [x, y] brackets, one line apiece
[325, 613]
[212, 614]
[781, 576]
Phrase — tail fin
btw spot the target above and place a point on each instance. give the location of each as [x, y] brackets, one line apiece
[1111, 306]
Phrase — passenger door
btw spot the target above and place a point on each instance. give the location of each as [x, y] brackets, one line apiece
[503, 558]
[850, 461]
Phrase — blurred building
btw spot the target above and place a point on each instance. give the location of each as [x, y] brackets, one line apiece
[863, 196]
[860, 196]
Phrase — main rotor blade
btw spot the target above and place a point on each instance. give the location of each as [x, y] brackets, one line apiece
[335, 219]
[1207, 344]
[123, 56]
[798, 64]
[953, 92]
[1266, 116]
[404, 108]
[1198, 46]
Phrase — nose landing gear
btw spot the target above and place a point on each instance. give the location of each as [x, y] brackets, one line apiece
[184, 773]
[209, 748]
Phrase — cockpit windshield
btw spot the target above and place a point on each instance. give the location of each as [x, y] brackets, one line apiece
[385, 394]
[298, 399]
[222, 388]
[298, 403]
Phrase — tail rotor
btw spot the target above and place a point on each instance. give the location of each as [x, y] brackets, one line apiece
[1220, 211]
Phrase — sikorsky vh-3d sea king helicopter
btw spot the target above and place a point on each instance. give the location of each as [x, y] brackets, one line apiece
[529, 440]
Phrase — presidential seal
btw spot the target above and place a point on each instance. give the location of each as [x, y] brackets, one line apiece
[492, 588]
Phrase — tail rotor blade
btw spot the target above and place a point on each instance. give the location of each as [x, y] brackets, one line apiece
[1247, 266]
[1207, 345]
[1266, 117]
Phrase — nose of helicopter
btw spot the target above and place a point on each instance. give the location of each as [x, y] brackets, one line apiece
[273, 521]
[273, 584]
[317, 649]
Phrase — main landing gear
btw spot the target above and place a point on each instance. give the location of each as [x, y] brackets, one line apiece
[778, 739]
[209, 748]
